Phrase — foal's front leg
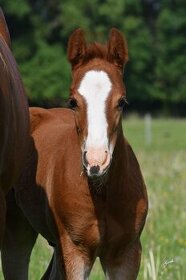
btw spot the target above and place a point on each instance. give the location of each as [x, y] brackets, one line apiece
[76, 260]
[124, 266]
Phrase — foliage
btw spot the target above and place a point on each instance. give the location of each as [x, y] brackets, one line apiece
[171, 46]
[50, 79]
[155, 31]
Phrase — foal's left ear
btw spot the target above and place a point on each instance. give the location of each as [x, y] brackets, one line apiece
[4, 29]
[117, 48]
[77, 47]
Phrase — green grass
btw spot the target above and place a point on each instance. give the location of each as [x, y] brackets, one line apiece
[164, 168]
[168, 135]
[164, 237]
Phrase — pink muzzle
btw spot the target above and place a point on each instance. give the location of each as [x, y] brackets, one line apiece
[96, 161]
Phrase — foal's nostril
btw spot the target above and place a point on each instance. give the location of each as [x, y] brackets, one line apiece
[94, 170]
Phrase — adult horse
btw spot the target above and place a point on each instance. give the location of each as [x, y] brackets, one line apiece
[82, 187]
[14, 121]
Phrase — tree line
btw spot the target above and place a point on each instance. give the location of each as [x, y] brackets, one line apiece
[155, 30]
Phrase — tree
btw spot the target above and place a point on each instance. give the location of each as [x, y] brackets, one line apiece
[171, 56]
[155, 31]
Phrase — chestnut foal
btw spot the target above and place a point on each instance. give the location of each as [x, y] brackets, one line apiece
[82, 187]
[14, 121]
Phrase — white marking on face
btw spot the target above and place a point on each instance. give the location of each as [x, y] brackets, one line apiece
[95, 88]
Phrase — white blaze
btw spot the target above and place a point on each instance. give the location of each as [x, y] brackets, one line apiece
[95, 88]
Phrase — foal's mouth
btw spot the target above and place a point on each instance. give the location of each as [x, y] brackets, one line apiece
[94, 172]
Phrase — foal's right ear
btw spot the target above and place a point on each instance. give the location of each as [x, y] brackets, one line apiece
[4, 29]
[77, 47]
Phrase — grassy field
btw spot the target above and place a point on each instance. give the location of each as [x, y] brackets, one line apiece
[164, 238]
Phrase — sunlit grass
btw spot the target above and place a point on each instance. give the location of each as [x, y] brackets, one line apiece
[164, 167]
[164, 236]
[167, 134]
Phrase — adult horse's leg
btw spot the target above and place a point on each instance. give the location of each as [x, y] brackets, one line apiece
[124, 266]
[2, 215]
[19, 239]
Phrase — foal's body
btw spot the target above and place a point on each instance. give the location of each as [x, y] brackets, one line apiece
[63, 205]
[82, 187]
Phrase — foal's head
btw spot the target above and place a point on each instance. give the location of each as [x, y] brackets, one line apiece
[97, 96]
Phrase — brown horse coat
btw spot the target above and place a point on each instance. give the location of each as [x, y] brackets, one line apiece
[63, 205]
[83, 217]
[14, 120]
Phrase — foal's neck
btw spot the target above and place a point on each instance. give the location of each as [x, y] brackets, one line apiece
[100, 186]
[119, 159]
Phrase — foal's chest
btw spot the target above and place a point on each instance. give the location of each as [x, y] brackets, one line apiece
[97, 223]
[78, 218]
[116, 222]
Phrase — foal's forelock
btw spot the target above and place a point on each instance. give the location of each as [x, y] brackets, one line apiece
[95, 88]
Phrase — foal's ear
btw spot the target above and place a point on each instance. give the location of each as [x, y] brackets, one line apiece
[4, 29]
[117, 48]
[77, 47]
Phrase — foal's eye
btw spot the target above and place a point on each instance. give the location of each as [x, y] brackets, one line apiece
[121, 102]
[73, 103]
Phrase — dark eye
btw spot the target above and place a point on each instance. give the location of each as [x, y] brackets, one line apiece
[121, 102]
[73, 103]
